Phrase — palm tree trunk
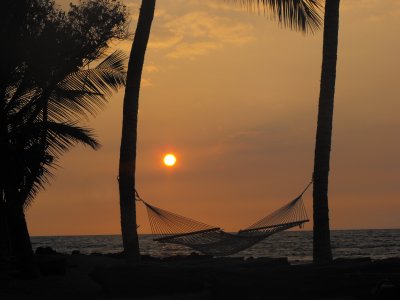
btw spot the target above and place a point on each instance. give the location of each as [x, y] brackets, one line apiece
[4, 237]
[18, 234]
[5, 246]
[321, 240]
[127, 162]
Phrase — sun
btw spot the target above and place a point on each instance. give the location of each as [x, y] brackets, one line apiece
[169, 160]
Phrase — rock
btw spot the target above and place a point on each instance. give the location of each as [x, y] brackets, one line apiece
[345, 260]
[51, 265]
[45, 251]
[386, 290]
[76, 252]
[146, 280]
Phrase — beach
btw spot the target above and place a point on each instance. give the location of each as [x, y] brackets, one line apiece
[99, 276]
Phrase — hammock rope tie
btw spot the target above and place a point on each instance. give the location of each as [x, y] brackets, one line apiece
[168, 227]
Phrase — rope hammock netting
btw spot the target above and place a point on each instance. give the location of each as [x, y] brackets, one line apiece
[168, 227]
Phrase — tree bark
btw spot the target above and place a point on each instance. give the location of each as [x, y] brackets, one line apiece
[321, 234]
[19, 239]
[5, 247]
[127, 163]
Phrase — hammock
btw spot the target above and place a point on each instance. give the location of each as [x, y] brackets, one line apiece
[168, 227]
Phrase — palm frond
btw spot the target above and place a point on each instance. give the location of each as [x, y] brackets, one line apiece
[115, 60]
[36, 180]
[72, 104]
[301, 15]
[37, 142]
[24, 99]
[84, 92]
[62, 136]
[109, 75]
[21, 99]
[39, 162]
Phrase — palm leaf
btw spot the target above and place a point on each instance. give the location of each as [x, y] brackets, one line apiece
[37, 142]
[36, 179]
[38, 164]
[72, 104]
[62, 136]
[302, 15]
[21, 100]
[84, 92]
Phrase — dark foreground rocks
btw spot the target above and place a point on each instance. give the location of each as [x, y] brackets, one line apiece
[201, 277]
[263, 278]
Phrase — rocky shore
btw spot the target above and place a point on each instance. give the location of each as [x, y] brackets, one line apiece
[109, 276]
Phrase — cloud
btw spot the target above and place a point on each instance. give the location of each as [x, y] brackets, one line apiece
[145, 83]
[229, 6]
[373, 11]
[242, 141]
[150, 68]
[191, 50]
[188, 35]
[224, 6]
[198, 33]
[165, 42]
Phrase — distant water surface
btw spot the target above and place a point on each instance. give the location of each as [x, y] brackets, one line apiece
[296, 245]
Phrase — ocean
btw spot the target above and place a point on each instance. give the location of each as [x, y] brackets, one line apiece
[295, 245]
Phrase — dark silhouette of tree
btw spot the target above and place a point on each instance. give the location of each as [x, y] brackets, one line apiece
[295, 14]
[127, 162]
[47, 86]
[321, 234]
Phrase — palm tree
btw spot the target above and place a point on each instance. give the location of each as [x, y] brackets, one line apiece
[321, 235]
[42, 124]
[127, 161]
[46, 88]
[295, 14]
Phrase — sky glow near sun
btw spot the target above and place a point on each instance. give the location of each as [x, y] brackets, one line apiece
[239, 95]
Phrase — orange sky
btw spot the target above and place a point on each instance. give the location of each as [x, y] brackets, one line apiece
[235, 97]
